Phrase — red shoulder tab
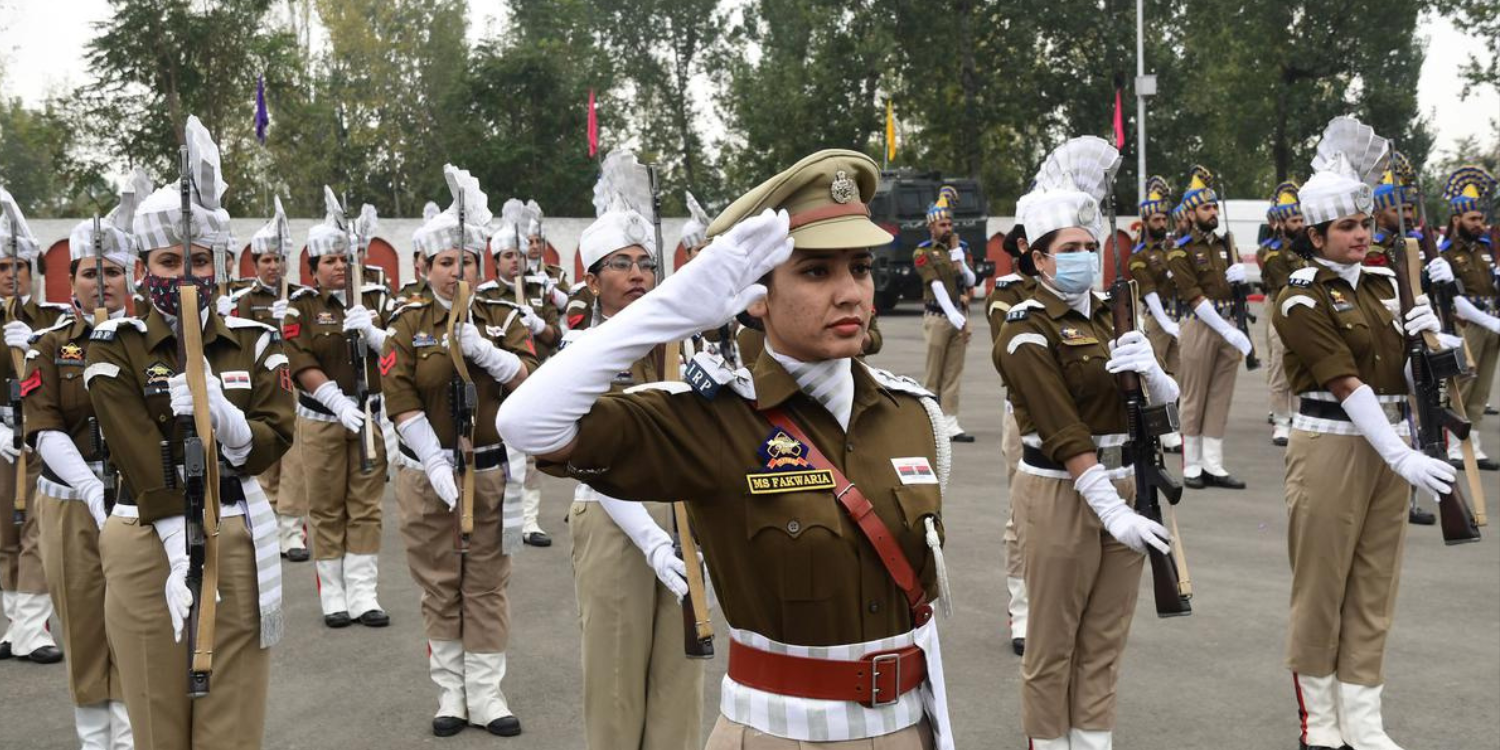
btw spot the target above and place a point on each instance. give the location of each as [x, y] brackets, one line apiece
[291, 330]
[31, 383]
[387, 362]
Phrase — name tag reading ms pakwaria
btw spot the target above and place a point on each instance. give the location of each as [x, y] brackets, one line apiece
[789, 481]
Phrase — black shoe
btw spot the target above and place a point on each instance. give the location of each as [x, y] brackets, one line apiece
[1174, 449]
[375, 618]
[43, 655]
[298, 554]
[1194, 483]
[1279, 442]
[537, 539]
[1489, 464]
[337, 620]
[5, 652]
[1270, 418]
[505, 726]
[1491, 410]
[447, 726]
[1018, 645]
[962, 437]
[1227, 481]
[1420, 517]
[1303, 746]
[1456, 463]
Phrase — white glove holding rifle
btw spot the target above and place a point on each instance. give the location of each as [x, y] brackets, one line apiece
[359, 318]
[18, 335]
[1416, 467]
[539, 419]
[1124, 524]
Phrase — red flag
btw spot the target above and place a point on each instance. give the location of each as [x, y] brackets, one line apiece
[1119, 123]
[593, 127]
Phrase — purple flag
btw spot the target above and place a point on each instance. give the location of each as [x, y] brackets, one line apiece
[262, 117]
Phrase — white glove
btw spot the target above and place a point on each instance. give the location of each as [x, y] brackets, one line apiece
[1153, 302]
[1439, 272]
[940, 293]
[1206, 313]
[18, 335]
[1469, 312]
[359, 318]
[418, 435]
[956, 255]
[7, 448]
[1415, 467]
[343, 407]
[721, 281]
[1235, 273]
[173, 534]
[1421, 318]
[1131, 529]
[224, 305]
[231, 429]
[532, 321]
[651, 539]
[278, 309]
[1132, 352]
[500, 364]
[62, 457]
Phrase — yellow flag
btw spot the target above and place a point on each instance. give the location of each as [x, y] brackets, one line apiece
[890, 131]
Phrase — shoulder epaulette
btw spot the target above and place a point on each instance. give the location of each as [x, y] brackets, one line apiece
[1183, 240]
[55, 306]
[578, 287]
[1303, 277]
[415, 304]
[235, 321]
[1484, 239]
[1176, 253]
[925, 243]
[1274, 243]
[1446, 243]
[375, 287]
[1380, 271]
[62, 322]
[303, 292]
[673, 387]
[488, 285]
[497, 301]
[242, 291]
[106, 331]
[893, 382]
[1007, 280]
[1020, 310]
[1139, 246]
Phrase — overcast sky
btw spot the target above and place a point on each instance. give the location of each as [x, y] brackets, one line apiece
[42, 42]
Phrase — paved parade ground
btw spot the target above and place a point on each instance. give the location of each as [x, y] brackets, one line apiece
[1213, 680]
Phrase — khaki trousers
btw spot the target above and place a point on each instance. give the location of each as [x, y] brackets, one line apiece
[1346, 530]
[1010, 447]
[153, 668]
[463, 596]
[639, 690]
[1282, 403]
[1209, 368]
[289, 497]
[1083, 586]
[70, 556]
[1484, 347]
[729, 735]
[1168, 352]
[20, 559]
[945, 360]
[343, 503]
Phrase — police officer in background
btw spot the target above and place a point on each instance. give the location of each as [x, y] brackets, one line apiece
[417, 287]
[1277, 262]
[1148, 267]
[343, 496]
[23, 584]
[942, 263]
[1470, 260]
[1212, 348]
[1395, 207]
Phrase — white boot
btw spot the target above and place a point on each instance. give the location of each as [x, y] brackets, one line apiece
[1359, 715]
[1455, 447]
[120, 735]
[1083, 739]
[331, 586]
[1478, 450]
[1318, 706]
[289, 533]
[29, 631]
[445, 665]
[1171, 440]
[1213, 456]
[955, 427]
[1061, 743]
[482, 676]
[360, 574]
[1020, 606]
[92, 723]
[1192, 455]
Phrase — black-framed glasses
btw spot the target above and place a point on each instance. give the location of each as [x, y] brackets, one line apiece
[622, 264]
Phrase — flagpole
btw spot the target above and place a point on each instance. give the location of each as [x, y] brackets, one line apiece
[1140, 103]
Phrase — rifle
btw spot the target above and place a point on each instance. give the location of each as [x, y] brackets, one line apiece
[200, 465]
[697, 628]
[18, 368]
[359, 352]
[96, 434]
[463, 399]
[1146, 423]
[1239, 291]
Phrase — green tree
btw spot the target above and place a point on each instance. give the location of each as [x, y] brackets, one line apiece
[39, 164]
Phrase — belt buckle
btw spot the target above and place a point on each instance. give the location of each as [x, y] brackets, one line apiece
[875, 673]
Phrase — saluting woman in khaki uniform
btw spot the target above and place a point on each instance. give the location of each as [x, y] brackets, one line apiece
[1080, 540]
[465, 612]
[1349, 464]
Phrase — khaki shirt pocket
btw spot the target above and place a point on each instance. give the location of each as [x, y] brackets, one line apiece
[801, 533]
[1083, 366]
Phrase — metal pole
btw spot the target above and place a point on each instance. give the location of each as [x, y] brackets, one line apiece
[1140, 102]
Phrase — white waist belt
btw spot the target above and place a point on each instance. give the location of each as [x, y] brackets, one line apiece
[1112, 440]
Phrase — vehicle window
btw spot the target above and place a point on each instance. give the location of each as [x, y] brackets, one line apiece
[969, 200]
[881, 205]
[909, 202]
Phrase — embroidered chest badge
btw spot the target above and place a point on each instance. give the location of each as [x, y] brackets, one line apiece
[423, 339]
[786, 468]
[1340, 304]
[70, 355]
[325, 319]
[1073, 337]
[157, 375]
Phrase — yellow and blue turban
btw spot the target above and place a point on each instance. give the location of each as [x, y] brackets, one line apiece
[1158, 199]
[1395, 188]
[941, 209]
[1469, 189]
[1200, 190]
[1284, 202]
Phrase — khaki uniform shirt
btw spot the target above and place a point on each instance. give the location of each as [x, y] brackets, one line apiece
[933, 264]
[314, 331]
[52, 391]
[1052, 359]
[1198, 264]
[417, 367]
[38, 315]
[580, 310]
[129, 363]
[1008, 292]
[411, 292]
[1148, 267]
[1277, 262]
[791, 565]
[535, 296]
[254, 302]
[1332, 330]
[1473, 266]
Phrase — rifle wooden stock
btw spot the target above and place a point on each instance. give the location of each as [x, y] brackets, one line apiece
[1457, 521]
[463, 406]
[354, 280]
[1240, 306]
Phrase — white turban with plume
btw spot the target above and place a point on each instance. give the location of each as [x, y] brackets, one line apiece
[1069, 188]
[442, 232]
[1346, 167]
[622, 201]
[158, 221]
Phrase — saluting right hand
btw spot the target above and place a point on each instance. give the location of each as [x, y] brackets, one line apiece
[723, 280]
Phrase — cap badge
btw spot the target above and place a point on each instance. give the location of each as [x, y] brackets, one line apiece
[843, 188]
[1364, 197]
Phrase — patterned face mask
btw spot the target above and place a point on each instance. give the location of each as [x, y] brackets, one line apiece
[163, 292]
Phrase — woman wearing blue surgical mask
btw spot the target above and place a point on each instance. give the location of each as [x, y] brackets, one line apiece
[1082, 545]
